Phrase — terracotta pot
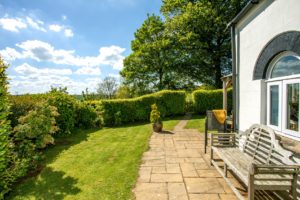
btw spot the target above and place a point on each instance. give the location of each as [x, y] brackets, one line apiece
[157, 127]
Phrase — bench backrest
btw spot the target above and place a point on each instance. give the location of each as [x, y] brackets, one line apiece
[262, 145]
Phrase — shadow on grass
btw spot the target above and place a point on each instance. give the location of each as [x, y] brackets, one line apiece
[50, 185]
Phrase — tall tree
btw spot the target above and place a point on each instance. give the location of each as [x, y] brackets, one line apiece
[108, 87]
[150, 66]
[200, 40]
[148, 63]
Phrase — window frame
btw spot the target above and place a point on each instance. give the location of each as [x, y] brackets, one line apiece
[278, 128]
[282, 82]
[284, 111]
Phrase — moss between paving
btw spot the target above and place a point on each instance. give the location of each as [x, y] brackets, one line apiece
[95, 164]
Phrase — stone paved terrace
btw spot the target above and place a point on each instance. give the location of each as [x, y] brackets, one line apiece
[175, 167]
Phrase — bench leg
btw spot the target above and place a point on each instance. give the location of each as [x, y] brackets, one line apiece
[211, 156]
[293, 191]
[251, 187]
[225, 170]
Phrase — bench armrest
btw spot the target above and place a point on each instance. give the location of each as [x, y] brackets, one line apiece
[274, 169]
[222, 139]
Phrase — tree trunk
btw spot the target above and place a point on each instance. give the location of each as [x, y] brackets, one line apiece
[218, 73]
[160, 86]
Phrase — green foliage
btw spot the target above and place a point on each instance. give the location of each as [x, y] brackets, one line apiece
[118, 119]
[210, 99]
[37, 127]
[21, 105]
[65, 105]
[138, 109]
[155, 114]
[201, 41]
[150, 65]
[86, 116]
[4, 129]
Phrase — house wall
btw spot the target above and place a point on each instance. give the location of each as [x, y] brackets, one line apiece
[267, 20]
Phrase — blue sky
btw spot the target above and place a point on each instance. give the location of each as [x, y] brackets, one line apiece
[73, 43]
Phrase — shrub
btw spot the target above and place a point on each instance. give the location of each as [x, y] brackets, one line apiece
[155, 114]
[4, 130]
[138, 109]
[33, 133]
[86, 116]
[65, 105]
[210, 99]
[21, 105]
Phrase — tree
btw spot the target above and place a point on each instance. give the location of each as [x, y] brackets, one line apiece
[200, 40]
[150, 66]
[5, 130]
[108, 87]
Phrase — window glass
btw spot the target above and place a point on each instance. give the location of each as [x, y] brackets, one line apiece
[274, 107]
[293, 106]
[286, 66]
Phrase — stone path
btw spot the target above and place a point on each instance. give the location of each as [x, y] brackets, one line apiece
[175, 167]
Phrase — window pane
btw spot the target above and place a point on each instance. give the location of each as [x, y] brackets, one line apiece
[286, 66]
[274, 109]
[293, 107]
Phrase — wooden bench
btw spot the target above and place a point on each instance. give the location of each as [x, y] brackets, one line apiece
[256, 159]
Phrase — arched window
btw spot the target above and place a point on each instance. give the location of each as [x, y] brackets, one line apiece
[283, 92]
[286, 66]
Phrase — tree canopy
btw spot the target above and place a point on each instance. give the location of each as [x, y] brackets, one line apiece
[189, 45]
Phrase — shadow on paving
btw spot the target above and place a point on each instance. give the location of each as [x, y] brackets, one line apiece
[50, 185]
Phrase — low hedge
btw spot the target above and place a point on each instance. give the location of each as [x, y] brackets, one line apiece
[138, 109]
[210, 99]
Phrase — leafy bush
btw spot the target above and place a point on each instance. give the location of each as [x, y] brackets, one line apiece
[138, 109]
[4, 130]
[33, 133]
[86, 116]
[65, 105]
[21, 105]
[155, 114]
[210, 99]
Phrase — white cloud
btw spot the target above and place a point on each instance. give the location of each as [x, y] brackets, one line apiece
[10, 54]
[55, 27]
[42, 51]
[35, 24]
[42, 83]
[27, 69]
[64, 17]
[68, 33]
[89, 71]
[11, 24]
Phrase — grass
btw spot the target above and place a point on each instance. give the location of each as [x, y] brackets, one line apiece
[196, 122]
[95, 164]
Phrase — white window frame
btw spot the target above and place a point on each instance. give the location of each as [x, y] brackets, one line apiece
[279, 83]
[284, 110]
[282, 82]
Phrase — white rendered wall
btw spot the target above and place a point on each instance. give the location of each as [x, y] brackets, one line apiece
[269, 19]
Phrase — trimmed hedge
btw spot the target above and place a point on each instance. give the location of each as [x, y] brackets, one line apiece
[4, 131]
[210, 99]
[138, 109]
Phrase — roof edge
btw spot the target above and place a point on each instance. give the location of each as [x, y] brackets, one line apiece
[243, 12]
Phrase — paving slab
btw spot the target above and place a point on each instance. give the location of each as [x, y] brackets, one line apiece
[176, 168]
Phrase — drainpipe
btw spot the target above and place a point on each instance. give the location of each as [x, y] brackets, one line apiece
[234, 78]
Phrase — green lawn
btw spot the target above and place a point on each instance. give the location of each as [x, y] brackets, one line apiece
[197, 122]
[96, 164]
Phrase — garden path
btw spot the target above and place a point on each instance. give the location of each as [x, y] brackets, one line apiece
[176, 168]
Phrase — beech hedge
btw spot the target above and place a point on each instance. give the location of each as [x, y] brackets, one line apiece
[210, 99]
[138, 109]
